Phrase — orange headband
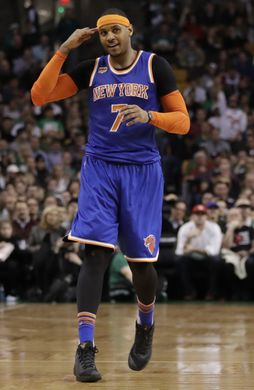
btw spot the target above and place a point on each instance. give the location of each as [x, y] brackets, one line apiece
[113, 19]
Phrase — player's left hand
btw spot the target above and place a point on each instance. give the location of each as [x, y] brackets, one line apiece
[134, 114]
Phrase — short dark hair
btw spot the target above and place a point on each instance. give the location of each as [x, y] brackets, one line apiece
[114, 11]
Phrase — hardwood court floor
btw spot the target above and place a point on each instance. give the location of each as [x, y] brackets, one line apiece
[196, 347]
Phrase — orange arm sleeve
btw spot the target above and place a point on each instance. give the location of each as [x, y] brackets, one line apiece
[50, 85]
[175, 118]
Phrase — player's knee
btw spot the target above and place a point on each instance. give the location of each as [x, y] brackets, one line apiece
[140, 268]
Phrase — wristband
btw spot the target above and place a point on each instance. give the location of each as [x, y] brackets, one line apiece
[149, 115]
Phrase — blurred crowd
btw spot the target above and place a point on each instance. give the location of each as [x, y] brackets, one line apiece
[207, 245]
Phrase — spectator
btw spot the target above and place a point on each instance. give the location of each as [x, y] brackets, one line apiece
[120, 279]
[197, 170]
[50, 200]
[72, 208]
[33, 206]
[162, 42]
[166, 267]
[63, 286]
[41, 170]
[238, 252]
[194, 92]
[191, 56]
[214, 145]
[198, 249]
[8, 205]
[41, 51]
[212, 212]
[22, 224]
[61, 179]
[32, 17]
[51, 127]
[66, 26]
[54, 153]
[221, 190]
[233, 122]
[44, 243]
[9, 261]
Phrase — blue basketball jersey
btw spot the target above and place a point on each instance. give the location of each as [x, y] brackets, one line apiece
[109, 90]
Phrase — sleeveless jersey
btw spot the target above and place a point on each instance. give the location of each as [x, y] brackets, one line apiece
[109, 90]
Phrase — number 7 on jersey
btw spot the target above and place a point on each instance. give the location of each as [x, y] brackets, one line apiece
[119, 117]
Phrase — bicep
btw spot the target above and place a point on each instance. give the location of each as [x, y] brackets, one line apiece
[163, 76]
[170, 98]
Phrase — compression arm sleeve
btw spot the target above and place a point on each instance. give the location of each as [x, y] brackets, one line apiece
[50, 85]
[175, 118]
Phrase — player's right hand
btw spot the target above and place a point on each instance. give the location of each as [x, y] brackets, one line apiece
[76, 39]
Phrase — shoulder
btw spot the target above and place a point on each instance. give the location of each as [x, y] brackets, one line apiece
[83, 66]
[82, 72]
[160, 63]
[186, 226]
[213, 226]
[157, 61]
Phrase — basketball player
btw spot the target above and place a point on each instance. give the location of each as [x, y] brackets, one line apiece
[120, 200]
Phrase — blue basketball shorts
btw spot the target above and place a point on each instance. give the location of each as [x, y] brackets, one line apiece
[120, 204]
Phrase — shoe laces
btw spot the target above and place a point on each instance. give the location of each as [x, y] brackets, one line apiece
[86, 356]
[143, 340]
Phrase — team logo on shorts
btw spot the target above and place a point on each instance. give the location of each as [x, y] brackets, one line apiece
[149, 243]
[102, 69]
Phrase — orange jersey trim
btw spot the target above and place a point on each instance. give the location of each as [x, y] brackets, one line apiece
[91, 242]
[127, 70]
[150, 67]
[142, 259]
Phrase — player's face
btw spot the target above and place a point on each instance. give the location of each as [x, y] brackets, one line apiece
[115, 38]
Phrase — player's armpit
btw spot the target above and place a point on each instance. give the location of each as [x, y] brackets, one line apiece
[175, 118]
[50, 85]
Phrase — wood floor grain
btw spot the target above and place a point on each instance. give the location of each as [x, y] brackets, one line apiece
[196, 347]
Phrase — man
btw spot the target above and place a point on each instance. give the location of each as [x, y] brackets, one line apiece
[221, 191]
[239, 239]
[215, 145]
[171, 223]
[121, 193]
[22, 223]
[233, 123]
[120, 279]
[166, 265]
[198, 248]
[212, 211]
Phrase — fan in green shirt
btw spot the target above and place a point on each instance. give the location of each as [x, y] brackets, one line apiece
[120, 279]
